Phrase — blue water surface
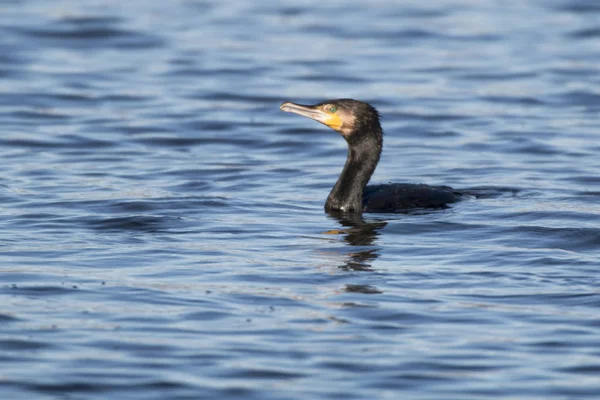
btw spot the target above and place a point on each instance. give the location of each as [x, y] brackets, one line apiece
[162, 232]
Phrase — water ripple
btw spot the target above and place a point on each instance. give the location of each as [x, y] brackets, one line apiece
[163, 233]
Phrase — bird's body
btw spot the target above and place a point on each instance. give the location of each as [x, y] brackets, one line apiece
[358, 122]
[395, 197]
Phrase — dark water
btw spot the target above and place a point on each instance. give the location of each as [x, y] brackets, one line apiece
[162, 233]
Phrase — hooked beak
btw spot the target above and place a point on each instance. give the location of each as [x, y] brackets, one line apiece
[331, 119]
[306, 111]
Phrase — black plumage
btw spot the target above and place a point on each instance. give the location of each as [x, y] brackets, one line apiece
[358, 122]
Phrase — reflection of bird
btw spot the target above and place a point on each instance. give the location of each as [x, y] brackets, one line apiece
[358, 231]
[361, 236]
[358, 123]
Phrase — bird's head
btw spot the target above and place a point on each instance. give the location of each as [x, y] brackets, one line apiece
[346, 116]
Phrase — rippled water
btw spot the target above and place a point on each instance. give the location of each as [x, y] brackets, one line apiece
[163, 233]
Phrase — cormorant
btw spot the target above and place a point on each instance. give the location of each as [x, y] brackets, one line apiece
[358, 123]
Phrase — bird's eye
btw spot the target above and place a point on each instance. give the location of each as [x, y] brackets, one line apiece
[332, 109]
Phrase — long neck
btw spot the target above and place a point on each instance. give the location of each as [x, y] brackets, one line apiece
[363, 155]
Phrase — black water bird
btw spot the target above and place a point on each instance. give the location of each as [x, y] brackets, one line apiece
[358, 122]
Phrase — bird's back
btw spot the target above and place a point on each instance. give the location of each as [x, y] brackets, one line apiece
[394, 197]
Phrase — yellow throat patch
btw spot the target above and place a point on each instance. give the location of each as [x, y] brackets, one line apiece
[333, 121]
